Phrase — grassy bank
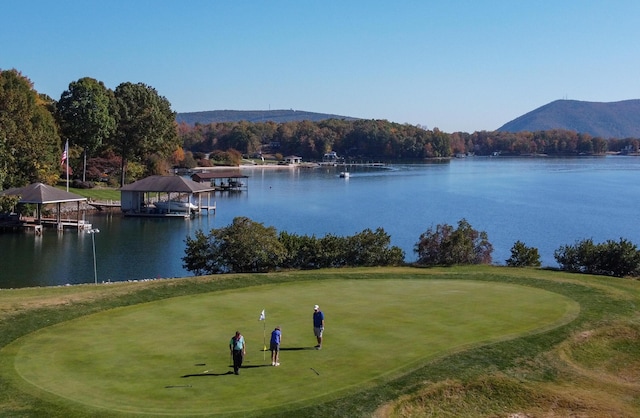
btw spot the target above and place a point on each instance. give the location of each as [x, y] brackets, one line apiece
[586, 365]
[101, 193]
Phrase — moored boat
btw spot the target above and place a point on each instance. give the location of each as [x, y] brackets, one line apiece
[175, 206]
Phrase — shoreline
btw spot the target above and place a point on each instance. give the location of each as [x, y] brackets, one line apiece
[255, 166]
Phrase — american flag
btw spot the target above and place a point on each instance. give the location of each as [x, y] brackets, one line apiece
[64, 153]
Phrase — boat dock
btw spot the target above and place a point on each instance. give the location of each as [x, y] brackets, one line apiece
[151, 211]
[29, 223]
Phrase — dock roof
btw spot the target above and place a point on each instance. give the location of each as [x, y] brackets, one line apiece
[167, 184]
[218, 174]
[42, 194]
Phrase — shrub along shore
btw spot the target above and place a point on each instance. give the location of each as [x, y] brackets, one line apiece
[589, 366]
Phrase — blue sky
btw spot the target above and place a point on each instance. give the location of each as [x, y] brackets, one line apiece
[457, 65]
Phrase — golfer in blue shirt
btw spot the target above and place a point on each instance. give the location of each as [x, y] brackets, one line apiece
[318, 325]
[274, 346]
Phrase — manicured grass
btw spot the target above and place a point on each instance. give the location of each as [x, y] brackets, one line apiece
[399, 340]
[97, 193]
[124, 359]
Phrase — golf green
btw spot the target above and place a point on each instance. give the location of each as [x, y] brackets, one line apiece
[171, 357]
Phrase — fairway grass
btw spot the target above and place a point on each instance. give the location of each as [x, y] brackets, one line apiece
[161, 348]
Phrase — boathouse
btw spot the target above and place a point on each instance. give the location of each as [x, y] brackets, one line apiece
[41, 195]
[165, 196]
[223, 180]
[293, 160]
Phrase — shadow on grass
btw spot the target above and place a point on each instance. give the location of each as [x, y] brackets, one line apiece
[296, 348]
[225, 373]
[207, 374]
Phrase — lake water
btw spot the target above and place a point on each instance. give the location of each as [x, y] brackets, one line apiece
[544, 202]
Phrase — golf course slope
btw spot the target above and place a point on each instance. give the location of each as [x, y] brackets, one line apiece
[472, 341]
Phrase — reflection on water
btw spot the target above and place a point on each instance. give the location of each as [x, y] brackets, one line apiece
[545, 203]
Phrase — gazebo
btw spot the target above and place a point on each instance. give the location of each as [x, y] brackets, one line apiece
[41, 194]
[164, 196]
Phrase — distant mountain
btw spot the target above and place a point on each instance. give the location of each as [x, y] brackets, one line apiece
[278, 116]
[606, 120]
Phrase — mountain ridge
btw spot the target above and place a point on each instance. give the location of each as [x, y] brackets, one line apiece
[619, 119]
[277, 116]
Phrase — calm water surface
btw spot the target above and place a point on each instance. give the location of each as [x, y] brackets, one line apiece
[544, 202]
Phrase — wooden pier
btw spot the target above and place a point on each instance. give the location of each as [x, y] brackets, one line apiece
[29, 223]
[104, 205]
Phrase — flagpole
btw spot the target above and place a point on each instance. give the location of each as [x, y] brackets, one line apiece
[66, 153]
[263, 317]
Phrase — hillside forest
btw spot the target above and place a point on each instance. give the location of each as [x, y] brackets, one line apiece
[119, 136]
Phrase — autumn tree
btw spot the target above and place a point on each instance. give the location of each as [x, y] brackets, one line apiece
[86, 113]
[446, 245]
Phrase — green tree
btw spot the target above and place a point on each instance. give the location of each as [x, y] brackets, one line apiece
[577, 258]
[618, 259]
[4, 159]
[445, 245]
[369, 248]
[29, 141]
[301, 251]
[145, 124]
[611, 258]
[198, 255]
[523, 256]
[8, 203]
[244, 246]
[86, 113]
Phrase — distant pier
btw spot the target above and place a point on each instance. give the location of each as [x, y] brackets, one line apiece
[104, 205]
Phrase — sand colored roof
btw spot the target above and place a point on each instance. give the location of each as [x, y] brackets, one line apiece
[167, 184]
[43, 194]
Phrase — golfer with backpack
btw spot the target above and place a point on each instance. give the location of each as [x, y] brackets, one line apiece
[238, 349]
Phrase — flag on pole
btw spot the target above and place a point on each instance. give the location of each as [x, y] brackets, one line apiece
[65, 153]
[263, 317]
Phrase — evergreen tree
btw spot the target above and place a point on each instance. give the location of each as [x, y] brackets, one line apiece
[523, 256]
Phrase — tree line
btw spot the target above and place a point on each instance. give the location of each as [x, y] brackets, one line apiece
[382, 140]
[246, 246]
[132, 128]
[124, 134]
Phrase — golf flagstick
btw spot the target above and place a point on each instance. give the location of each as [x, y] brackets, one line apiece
[263, 317]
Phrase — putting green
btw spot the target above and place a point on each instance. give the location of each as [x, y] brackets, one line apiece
[171, 357]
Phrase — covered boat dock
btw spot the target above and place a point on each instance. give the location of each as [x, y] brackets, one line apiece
[166, 196]
[223, 180]
[41, 195]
